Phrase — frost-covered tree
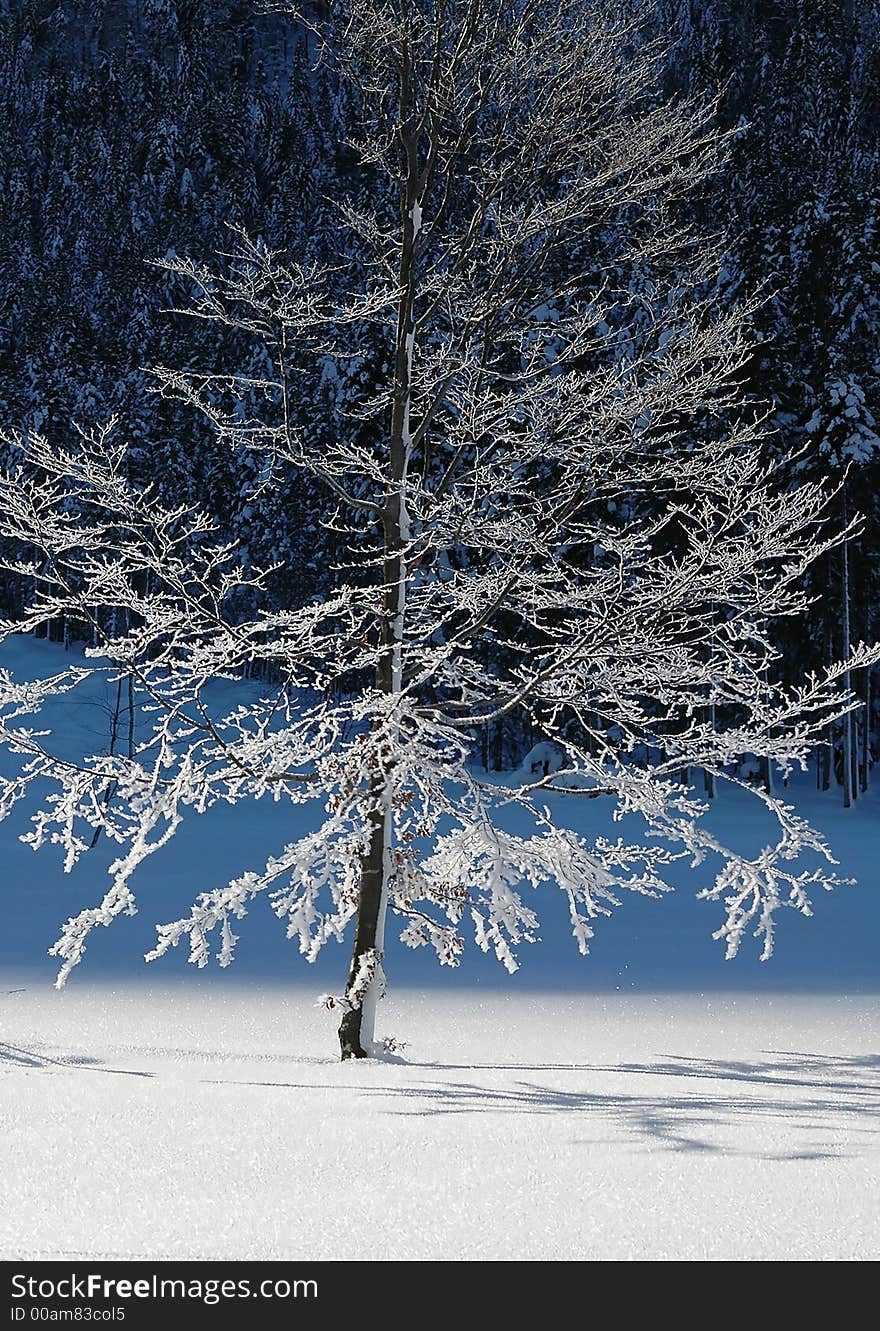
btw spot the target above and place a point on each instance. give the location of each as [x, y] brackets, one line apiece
[554, 504]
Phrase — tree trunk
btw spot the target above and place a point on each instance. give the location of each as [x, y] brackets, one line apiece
[825, 760]
[357, 1028]
[849, 786]
[709, 777]
[866, 733]
[498, 745]
[826, 765]
[366, 978]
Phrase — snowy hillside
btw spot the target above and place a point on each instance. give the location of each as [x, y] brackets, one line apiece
[646, 945]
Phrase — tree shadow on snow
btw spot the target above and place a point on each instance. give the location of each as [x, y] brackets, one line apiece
[851, 1074]
[829, 1104]
[31, 1058]
[840, 1110]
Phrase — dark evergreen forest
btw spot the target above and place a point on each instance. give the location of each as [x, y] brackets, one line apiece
[136, 130]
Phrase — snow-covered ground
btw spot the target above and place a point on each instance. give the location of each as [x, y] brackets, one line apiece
[649, 1102]
[213, 1124]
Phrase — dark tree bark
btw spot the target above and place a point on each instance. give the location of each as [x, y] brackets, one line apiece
[368, 921]
[369, 933]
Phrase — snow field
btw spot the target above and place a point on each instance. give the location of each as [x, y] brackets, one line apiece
[214, 1123]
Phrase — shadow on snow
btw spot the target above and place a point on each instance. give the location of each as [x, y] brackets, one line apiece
[843, 1100]
[830, 1101]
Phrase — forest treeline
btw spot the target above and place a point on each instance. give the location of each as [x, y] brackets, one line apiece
[136, 130]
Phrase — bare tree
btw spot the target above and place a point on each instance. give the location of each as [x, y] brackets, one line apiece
[561, 512]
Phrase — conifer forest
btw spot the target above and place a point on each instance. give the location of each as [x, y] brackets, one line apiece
[144, 129]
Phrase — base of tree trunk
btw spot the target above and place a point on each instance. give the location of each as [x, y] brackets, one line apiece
[350, 1036]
